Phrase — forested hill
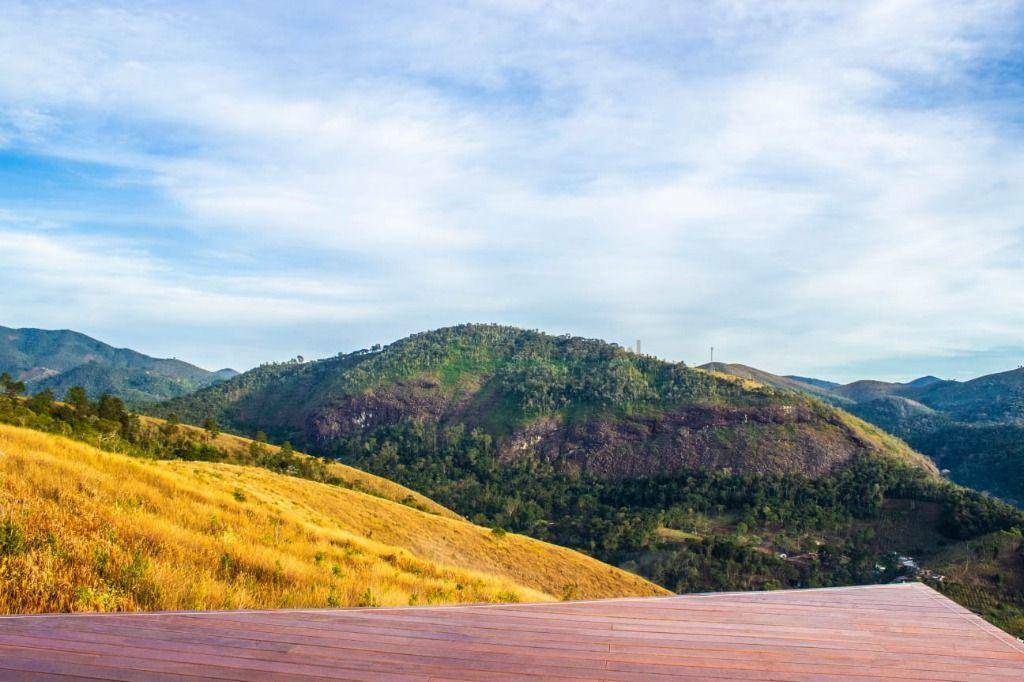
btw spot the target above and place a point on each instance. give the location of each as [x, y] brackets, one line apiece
[60, 359]
[694, 479]
[581, 404]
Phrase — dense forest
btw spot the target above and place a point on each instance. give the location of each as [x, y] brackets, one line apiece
[986, 457]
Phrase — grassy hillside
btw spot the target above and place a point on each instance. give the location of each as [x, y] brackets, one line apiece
[985, 576]
[238, 449]
[106, 423]
[84, 529]
[58, 360]
[812, 386]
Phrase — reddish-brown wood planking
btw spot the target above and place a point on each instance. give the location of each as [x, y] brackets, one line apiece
[887, 632]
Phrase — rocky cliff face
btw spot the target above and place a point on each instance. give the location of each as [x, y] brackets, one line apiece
[769, 438]
[775, 439]
[365, 412]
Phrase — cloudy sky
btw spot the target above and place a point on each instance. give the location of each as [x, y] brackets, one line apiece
[834, 189]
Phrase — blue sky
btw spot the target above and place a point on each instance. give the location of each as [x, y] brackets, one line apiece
[833, 189]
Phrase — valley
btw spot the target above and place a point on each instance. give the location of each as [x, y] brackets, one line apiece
[694, 479]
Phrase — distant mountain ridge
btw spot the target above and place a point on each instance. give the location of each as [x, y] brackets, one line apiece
[820, 383]
[815, 387]
[60, 359]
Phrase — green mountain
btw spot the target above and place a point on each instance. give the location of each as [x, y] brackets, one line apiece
[582, 405]
[973, 429]
[692, 478]
[58, 360]
[991, 398]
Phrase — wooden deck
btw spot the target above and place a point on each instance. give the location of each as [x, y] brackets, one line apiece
[884, 632]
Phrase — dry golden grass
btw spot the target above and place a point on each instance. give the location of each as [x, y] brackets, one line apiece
[360, 480]
[887, 444]
[743, 382]
[83, 530]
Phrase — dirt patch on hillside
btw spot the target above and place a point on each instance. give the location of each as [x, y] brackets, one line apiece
[772, 439]
[376, 408]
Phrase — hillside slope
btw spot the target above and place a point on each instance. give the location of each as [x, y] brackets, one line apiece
[811, 386]
[581, 404]
[990, 398]
[84, 529]
[346, 476]
[60, 359]
[972, 429]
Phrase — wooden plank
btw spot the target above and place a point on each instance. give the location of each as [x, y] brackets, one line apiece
[454, 651]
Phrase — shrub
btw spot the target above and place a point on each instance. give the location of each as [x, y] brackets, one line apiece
[12, 539]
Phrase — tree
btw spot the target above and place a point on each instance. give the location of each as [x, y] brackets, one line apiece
[42, 402]
[170, 427]
[10, 387]
[212, 427]
[110, 408]
[78, 399]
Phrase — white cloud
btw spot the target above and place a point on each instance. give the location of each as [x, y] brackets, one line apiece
[102, 285]
[805, 188]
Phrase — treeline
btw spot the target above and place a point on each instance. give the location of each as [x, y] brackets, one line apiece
[105, 423]
[622, 521]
